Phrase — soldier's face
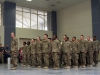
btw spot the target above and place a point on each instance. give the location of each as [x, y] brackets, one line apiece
[81, 37]
[32, 40]
[88, 38]
[73, 39]
[45, 36]
[38, 38]
[12, 34]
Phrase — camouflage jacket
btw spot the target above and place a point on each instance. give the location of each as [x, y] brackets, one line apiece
[55, 46]
[96, 45]
[83, 45]
[89, 46]
[14, 44]
[45, 46]
[33, 48]
[38, 47]
[28, 50]
[66, 47]
[24, 49]
[75, 47]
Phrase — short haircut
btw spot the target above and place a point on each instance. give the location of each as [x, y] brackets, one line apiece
[94, 36]
[68, 38]
[82, 35]
[24, 42]
[46, 35]
[65, 36]
[13, 33]
[74, 37]
[56, 36]
[33, 38]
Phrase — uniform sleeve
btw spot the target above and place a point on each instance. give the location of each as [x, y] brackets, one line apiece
[16, 45]
[59, 45]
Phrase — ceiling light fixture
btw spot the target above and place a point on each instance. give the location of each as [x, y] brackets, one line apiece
[28, 0]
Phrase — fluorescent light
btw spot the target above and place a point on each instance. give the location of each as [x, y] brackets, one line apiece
[28, 0]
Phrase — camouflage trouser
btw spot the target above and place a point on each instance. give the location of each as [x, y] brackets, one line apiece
[46, 59]
[33, 59]
[67, 59]
[1, 58]
[89, 58]
[75, 58]
[95, 57]
[28, 61]
[50, 60]
[24, 59]
[55, 59]
[14, 58]
[39, 59]
[82, 58]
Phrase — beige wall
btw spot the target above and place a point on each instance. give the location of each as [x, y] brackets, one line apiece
[75, 20]
[2, 35]
[31, 33]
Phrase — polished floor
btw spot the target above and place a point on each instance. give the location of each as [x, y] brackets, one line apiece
[36, 71]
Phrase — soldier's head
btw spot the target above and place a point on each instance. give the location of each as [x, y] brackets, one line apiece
[73, 38]
[38, 38]
[32, 40]
[45, 36]
[54, 36]
[24, 43]
[28, 43]
[82, 37]
[88, 38]
[12, 34]
[64, 37]
[94, 38]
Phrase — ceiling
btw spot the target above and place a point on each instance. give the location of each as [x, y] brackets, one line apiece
[47, 4]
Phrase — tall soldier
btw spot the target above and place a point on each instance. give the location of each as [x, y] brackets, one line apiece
[66, 49]
[39, 52]
[56, 47]
[96, 45]
[28, 53]
[1, 53]
[46, 51]
[83, 50]
[24, 54]
[89, 56]
[33, 53]
[75, 52]
[14, 51]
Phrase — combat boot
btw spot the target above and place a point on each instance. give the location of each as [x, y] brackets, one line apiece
[38, 66]
[45, 67]
[14, 68]
[90, 65]
[75, 66]
[83, 66]
[55, 68]
[67, 67]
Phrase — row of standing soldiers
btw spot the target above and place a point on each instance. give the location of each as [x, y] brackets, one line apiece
[56, 54]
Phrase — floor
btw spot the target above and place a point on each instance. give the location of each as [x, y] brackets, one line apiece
[36, 71]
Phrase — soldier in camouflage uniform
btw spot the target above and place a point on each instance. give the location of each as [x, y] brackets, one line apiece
[46, 51]
[66, 49]
[75, 52]
[24, 54]
[89, 56]
[56, 47]
[96, 48]
[28, 53]
[14, 51]
[83, 50]
[1, 54]
[33, 53]
[39, 52]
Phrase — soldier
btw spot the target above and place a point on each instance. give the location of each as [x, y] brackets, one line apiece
[14, 51]
[28, 53]
[89, 56]
[96, 45]
[75, 52]
[39, 52]
[66, 49]
[1, 53]
[24, 54]
[33, 53]
[46, 51]
[83, 50]
[55, 51]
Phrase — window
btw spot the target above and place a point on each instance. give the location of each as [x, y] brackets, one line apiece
[31, 18]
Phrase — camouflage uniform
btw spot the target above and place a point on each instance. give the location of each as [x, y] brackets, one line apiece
[24, 54]
[89, 56]
[1, 54]
[55, 46]
[82, 54]
[28, 53]
[39, 53]
[75, 53]
[46, 51]
[66, 48]
[96, 45]
[14, 51]
[33, 54]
